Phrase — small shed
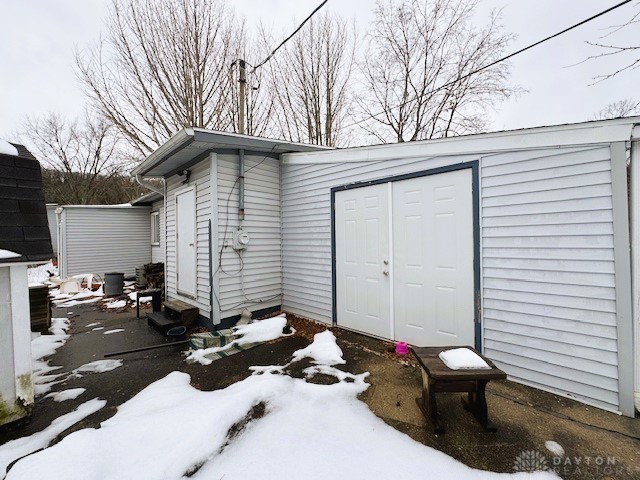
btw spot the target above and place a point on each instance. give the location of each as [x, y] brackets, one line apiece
[24, 240]
[514, 242]
[103, 238]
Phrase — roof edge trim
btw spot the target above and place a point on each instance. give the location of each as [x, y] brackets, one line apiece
[600, 132]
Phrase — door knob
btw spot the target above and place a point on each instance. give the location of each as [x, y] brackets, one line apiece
[386, 262]
[386, 272]
[191, 244]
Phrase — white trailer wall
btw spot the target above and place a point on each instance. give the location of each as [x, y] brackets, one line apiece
[551, 295]
[102, 239]
[258, 284]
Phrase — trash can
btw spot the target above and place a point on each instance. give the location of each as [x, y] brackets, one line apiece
[113, 284]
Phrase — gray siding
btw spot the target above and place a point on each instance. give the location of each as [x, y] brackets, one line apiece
[259, 284]
[201, 179]
[157, 251]
[101, 239]
[548, 280]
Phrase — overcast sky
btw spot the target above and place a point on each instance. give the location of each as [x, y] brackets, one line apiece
[38, 37]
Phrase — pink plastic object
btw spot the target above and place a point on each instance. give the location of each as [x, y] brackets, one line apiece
[401, 348]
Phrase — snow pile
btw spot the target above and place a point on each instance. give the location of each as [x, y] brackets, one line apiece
[69, 394]
[554, 447]
[59, 325]
[115, 330]
[73, 303]
[324, 350]
[134, 295]
[7, 149]
[20, 447]
[41, 347]
[117, 304]
[258, 331]
[86, 295]
[6, 254]
[41, 273]
[462, 358]
[223, 435]
[92, 324]
[99, 366]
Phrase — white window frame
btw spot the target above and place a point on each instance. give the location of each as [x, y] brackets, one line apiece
[155, 228]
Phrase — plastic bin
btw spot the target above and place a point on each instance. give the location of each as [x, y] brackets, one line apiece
[113, 284]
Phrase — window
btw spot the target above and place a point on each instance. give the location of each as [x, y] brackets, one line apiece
[155, 228]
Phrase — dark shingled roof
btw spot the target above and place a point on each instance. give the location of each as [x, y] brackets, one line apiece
[24, 228]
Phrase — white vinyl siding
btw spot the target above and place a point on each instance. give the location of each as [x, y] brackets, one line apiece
[200, 178]
[306, 225]
[102, 239]
[261, 277]
[549, 308]
[548, 278]
[157, 251]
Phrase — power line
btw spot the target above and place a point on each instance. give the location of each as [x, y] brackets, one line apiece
[517, 52]
[291, 36]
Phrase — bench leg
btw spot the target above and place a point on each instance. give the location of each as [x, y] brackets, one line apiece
[428, 404]
[477, 404]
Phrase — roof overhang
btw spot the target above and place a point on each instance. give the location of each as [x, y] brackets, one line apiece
[586, 133]
[147, 199]
[192, 145]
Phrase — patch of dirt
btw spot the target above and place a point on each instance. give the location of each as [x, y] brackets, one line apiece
[256, 412]
[308, 328]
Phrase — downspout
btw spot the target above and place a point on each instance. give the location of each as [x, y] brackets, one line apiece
[241, 188]
[634, 213]
[150, 186]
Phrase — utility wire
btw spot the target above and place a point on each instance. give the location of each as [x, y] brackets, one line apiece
[517, 52]
[291, 36]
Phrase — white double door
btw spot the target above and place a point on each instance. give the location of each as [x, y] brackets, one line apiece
[404, 259]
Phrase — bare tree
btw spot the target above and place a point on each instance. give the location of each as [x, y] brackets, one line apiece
[164, 65]
[609, 48]
[81, 155]
[415, 48]
[621, 108]
[310, 82]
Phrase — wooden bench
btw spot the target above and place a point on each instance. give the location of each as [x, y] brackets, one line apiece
[437, 377]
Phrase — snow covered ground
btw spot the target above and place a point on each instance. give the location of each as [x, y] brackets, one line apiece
[258, 331]
[44, 346]
[268, 426]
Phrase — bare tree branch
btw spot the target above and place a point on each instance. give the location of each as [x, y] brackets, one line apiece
[163, 65]
[416, 46]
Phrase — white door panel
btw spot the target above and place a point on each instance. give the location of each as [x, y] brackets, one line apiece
[422, 292]
[362, 248]
[185, 242]
[433, 259]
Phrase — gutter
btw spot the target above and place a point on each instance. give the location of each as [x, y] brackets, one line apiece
[145, 184]
[158, 156]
